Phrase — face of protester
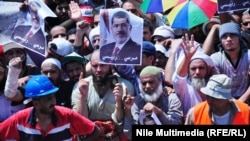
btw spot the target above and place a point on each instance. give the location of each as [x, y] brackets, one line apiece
[230, 42]
[198, 71]
[73, 70]
[245, 24]
[12, 53]
[100, 71]
[62, 11]
[121, 30]
[218, 106]
[128, 6]
[151, 87]
[160, 60]
[198, 68]
[147, 34]
[52, 72]
[96, 41]
[71, 38]
[45, 104]
[58, 32]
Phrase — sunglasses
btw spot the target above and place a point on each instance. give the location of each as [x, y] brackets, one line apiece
[62, 35]
[246, 23]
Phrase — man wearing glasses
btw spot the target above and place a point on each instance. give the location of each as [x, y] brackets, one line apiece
[124, 50]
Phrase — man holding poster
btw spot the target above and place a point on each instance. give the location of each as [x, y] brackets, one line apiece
[123, 50]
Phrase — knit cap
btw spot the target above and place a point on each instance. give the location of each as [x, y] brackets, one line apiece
[229, 27]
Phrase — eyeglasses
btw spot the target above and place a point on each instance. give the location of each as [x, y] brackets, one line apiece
[57, 35]
[246, 23]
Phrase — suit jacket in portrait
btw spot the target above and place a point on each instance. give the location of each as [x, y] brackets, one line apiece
[130, 53]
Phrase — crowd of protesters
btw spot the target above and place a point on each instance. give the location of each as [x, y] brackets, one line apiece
[199, 76]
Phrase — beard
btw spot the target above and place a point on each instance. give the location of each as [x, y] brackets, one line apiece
[198, 83]
[102, 80]
[154, 96]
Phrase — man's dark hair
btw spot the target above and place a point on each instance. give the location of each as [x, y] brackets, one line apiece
[71, 31]
[120, 14]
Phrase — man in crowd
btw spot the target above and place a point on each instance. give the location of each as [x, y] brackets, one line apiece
[152, 98]
[220, 108]
[233, 60]
[193, 70]
[45, 120]
[73, 66]
[99, 97]
[52, 68]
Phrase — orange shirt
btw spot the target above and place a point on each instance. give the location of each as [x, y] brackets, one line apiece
[202, 117]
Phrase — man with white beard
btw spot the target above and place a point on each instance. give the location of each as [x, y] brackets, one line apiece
[167, 108]
[192, 72]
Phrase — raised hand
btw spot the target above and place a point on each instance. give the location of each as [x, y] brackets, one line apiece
[128, 100]
[118, 92]
[83, 27]
[17, 62]
[75, 11]
[189, 46]
[83, 86]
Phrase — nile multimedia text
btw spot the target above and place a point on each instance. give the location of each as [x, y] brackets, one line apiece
[169, 132]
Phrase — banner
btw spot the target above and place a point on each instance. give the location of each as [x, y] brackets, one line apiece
[232, 5]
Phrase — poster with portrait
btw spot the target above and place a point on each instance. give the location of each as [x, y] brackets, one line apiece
[232, 5]
[148, 118]
[29, 30]
[121, 35]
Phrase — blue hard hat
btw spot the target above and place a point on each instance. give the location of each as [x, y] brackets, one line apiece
[39, 85]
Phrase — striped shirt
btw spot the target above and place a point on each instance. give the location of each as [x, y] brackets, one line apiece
[65, 123]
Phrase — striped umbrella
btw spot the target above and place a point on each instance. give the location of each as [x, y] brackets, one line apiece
[187, 14]
[153, 6]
